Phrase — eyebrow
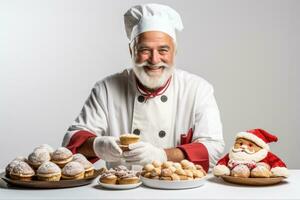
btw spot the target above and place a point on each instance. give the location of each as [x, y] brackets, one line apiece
[160, 47]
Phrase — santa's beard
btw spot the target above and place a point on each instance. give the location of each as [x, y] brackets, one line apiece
[152, 82]
[242, 155]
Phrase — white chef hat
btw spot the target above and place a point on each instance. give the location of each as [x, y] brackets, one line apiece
[152, 17]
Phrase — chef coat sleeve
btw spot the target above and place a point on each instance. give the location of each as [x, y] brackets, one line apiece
[91, 122]
[207, 144]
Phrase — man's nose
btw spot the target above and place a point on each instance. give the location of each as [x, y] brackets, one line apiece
[154, 58]
[244, 146]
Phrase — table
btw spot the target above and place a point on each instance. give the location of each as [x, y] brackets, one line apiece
[214, 188]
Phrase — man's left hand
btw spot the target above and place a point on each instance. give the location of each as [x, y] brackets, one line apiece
[142, 153]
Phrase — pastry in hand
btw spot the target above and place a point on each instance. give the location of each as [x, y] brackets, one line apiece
[127, 139]
[48, 171]
[61, 156]
[88, 166]
[73, 171]
[240, 171]
[38, 157]
[22, 171]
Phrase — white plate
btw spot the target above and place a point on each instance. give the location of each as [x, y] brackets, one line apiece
[120, 187]
[173, 185]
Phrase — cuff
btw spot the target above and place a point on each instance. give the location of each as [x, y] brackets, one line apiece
[77, 140]
[196, 153]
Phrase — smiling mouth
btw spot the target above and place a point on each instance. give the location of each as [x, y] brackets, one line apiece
[154, 68]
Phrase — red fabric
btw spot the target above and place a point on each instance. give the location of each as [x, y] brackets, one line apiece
[196, 153]
[224, 160]
[78, 139]
[273, 161]
[147, 94]
[264, 135]
[186, 138]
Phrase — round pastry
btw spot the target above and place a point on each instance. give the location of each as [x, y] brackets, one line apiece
[175, 177]
[155, 172]
[22, 171]
[156, 163]
[167, 164]
[197, 174]
[73, 171]
[189, 173]
[108, 178]
[148, 167]
[260, 172]
[240, 171]
[88, 166]
[47, 147]
[61, 156]
[129, 178]
[11, 165]
[48, 171]
[38, 157]
[166, 172]
[176, 165]
[127, 139]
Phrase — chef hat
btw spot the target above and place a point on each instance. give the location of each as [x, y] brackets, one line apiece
[259, 137]
[152, 17]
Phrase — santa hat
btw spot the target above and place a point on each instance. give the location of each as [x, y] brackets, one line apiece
[259, 137]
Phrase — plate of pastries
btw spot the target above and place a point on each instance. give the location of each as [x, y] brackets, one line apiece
[49, 168]
[259, 176]
[173, 175]
[119, 178]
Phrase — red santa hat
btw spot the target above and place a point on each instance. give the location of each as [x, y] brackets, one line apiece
[259, 137]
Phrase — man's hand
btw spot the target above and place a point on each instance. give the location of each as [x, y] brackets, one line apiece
[142, 153]
[106, 148]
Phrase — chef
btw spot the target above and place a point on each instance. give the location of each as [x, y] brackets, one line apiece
[174, 112]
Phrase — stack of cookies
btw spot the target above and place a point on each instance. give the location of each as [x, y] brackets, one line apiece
[47, 164]
[119, 175]
[127, 139]
[173, 171]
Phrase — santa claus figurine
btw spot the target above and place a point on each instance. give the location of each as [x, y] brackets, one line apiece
[251, 157]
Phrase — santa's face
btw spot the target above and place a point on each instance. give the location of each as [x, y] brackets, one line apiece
[246, 150]
[153, 58]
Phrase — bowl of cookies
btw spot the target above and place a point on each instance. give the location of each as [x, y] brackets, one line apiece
[119, 178]
[173, 175]
[49, 168]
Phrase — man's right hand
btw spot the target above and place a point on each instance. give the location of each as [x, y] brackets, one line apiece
[106, 148]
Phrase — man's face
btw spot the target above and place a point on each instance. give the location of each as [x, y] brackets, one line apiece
[153, 57]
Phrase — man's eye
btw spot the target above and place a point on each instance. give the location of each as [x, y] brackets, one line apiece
[163, 51]
[241, 143]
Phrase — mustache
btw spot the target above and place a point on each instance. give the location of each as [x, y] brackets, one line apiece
[243, 150]
[147, 64]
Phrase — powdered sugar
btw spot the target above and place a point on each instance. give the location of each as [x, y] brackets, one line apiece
[72, 168]
[39, 156]
[48, 168]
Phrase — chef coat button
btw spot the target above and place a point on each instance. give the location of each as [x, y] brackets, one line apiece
[141, 98]
[164, 98]
[137, 132]
[162, 134]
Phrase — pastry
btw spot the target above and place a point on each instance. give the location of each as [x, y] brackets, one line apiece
[47, 147]
[73, 171]
[260, 172]
[88, 166]
[21, 171]
[108, 178]
[240, 171]
[173, 171]
[48, 171]
[38, 157]
[129, 178]
[127, 139]
[13, 163]
[61, 156]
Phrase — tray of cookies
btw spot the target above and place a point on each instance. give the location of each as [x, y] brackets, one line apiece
[48, 168]
[173, 175]
[119, 178]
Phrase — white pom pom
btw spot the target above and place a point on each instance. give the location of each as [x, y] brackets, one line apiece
[280, 171]
[221, 170]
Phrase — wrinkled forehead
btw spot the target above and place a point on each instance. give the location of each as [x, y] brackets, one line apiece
[154, 38]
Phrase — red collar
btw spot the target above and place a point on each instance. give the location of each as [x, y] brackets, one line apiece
[151, 94]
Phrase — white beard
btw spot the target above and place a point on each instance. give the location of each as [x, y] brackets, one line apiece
[153, 82]
[243, 156]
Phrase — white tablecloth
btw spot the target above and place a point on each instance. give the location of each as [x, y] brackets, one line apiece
[214, 188]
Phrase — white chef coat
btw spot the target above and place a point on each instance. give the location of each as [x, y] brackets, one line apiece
[115, 107]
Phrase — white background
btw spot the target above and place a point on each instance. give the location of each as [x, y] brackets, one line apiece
[52, 53]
